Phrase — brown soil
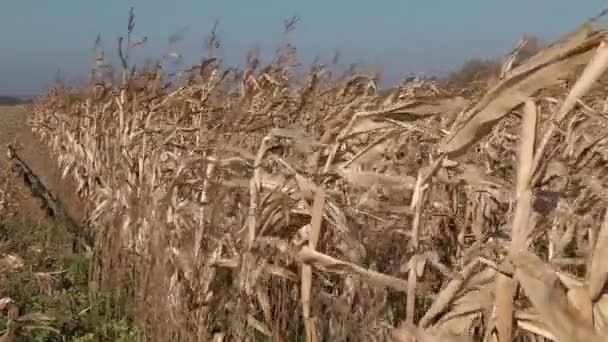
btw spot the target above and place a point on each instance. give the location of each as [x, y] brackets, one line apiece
[14, 130]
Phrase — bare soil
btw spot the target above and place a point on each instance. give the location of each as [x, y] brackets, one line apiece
[15, 131]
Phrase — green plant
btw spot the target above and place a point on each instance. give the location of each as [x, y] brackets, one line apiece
[77, 268]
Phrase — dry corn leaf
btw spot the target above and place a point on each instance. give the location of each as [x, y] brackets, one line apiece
[367, 179]
[598, 272]
[421, 265]
[281, 272]
[593, 71]
[407, 332]
[333, 265]
[532, 322]
[301, 141]
[569, 281]
[581, 304]
[368, 124]
[600, 313]
[412, 111]
[448, 295]
[473, 175]
[460, 326]
[259, 326]
[472, 302]
[552, 52]
[540, 283]
[373, 151]
[514, 90]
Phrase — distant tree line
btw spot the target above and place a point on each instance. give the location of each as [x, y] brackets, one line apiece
[479, 69]
[12, 100]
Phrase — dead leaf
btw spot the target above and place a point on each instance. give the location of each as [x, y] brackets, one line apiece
[580, 302]
[412, 111]
[367, 179]
[598, 272]
[541, 285]
[333, 265]
[537, 73]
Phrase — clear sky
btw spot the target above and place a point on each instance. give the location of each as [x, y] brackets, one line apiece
[38, 37]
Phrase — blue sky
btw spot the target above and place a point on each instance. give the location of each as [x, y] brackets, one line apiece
[38, 37]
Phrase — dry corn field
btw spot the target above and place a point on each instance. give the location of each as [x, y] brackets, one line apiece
[256, 205]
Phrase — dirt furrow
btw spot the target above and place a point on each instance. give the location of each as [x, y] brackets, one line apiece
[15, 131]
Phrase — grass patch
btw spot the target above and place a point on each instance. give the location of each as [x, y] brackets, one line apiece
[50, 292]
